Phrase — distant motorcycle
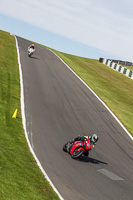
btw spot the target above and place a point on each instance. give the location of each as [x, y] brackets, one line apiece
[30, 52]
[78, 148]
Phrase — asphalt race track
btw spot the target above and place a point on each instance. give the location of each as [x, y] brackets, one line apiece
[59, 107]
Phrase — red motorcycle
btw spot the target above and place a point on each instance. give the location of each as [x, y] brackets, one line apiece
[78, 148]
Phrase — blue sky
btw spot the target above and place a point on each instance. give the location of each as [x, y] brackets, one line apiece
[88, 28]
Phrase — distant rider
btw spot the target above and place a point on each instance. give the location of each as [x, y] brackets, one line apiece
[32, 46]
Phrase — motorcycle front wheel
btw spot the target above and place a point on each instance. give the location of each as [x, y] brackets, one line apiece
[77, 154]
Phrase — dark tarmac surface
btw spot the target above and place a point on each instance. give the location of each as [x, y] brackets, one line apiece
[59, 107]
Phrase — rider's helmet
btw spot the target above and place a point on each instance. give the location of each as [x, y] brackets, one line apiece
[32, 45]
[94, 138]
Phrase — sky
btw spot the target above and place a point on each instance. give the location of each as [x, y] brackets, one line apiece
[87, 28]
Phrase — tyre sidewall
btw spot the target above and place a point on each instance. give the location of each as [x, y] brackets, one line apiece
[78, 155]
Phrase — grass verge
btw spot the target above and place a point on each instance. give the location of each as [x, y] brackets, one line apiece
[20, 177]
[115, 89]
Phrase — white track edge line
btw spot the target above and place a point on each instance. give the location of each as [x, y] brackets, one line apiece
[24, 124]
[96, 96]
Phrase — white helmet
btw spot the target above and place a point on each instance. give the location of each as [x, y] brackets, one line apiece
[94, 138]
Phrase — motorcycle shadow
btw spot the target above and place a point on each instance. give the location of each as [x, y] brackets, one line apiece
[34, 57]
[91, 160]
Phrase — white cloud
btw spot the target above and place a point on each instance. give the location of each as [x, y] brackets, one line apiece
[105, 25]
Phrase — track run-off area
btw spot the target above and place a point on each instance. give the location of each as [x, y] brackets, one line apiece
[57, 107]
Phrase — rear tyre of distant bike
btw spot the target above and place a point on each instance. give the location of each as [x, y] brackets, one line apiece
[77, 153]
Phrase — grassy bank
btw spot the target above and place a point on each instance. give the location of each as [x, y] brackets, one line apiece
[115, 89]
[20, 177]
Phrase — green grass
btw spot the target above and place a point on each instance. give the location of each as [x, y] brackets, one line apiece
[20, 177]
[115, 89]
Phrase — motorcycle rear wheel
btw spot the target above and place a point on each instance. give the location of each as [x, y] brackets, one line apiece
[77, 154]
[65, 147]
